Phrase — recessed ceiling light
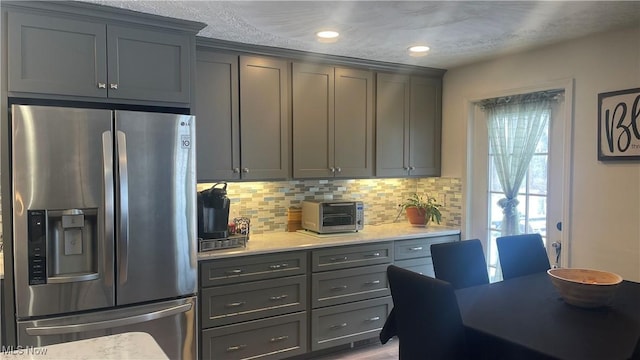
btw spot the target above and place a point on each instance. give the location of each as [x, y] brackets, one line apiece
[418, 50]
[327, 36]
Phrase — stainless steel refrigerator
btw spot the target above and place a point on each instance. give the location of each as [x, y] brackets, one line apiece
[104, 221]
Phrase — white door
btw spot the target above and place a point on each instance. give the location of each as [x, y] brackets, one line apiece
[543, 203]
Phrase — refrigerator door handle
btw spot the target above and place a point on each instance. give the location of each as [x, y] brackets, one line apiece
[123, 239]
[107, 171]
[108, 324]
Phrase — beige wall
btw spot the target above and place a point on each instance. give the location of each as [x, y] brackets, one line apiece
[605, 209]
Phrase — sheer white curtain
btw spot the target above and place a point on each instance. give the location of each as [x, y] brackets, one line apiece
[515, 124]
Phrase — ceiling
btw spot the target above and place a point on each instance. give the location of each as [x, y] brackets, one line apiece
[458, 32]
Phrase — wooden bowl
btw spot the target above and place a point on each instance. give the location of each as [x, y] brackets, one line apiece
[585, 287]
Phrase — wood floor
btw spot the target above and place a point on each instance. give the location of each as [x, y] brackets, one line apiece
[388, 351]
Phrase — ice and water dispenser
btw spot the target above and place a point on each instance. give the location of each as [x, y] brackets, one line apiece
[62, 245]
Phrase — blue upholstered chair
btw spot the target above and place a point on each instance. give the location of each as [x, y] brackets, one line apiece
[522, 255]
[460, 263]
[425, 317]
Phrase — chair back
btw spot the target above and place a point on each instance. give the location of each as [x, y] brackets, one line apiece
[427, 318]
[522, 255]
[460, 263]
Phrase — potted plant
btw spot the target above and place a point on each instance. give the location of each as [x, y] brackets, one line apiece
[421, 211]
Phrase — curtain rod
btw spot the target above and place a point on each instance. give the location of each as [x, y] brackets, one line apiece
[554, 95]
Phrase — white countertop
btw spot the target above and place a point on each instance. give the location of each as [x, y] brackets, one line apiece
[291, 241]
[132, 345]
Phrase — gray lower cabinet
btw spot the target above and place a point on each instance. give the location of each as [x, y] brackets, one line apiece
[272, 338]
[56, 55]
[242, 109]
[415, 254]
[408, 125]
[350, 294]
[254, 306]
[332, 122]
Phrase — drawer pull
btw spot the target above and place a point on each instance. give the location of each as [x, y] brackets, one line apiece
[279, 338]
[344, 258]
[237, 347]
[234, 272]
[374, 282]
[338, 288]
[236, 304]
[338, 326]
[375, 318]
[278, 266]
[417, 248]
[372, 255]
[276, 298]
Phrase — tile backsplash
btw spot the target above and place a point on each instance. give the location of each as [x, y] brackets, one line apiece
[266, 203]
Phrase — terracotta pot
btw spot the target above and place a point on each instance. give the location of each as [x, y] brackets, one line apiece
[416, 216]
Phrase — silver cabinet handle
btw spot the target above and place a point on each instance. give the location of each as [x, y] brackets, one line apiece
[332, 169]
[338, 288]
[377, 254]
[338, 169]
[344, 258]
[102, 85]
[234, 272]
[236, 347]
[278, 266]
[375, 318]
[279, 338]
[235, 304]
[406, 168]
[374, 282]
[338, 326]
[245, 170]
[236, 170]
[113, 86]
[124, 206]
[417, 248]
[412, 167]
[280, 297]
[107, 324]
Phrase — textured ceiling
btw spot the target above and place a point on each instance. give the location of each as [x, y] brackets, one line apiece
[458, 32]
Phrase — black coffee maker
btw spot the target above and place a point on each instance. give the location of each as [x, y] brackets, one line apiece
[213, 212]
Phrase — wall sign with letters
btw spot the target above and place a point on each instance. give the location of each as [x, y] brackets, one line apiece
[618, 125]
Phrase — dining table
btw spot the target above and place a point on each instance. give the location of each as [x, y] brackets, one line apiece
[526, 318]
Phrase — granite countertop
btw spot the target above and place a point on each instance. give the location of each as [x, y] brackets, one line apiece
[300, 240]
[132, 345]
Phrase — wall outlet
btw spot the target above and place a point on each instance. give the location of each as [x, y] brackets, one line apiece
[441, 199]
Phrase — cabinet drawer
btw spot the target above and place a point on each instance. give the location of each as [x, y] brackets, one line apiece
[251, 268]
[415, 248]
[352, 256]
[346, 323]
[342, 286]
[235, 303]
[422, 266]
[273, 338]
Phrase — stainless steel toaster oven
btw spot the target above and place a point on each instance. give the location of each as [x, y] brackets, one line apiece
[325, 217]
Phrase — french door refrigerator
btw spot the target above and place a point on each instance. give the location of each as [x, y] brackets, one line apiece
[104, 218]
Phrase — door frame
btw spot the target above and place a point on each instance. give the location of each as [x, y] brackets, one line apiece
[472, 202]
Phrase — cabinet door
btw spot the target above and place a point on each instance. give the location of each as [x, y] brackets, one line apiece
[264, 115]
[217, 119]
[353, 123]
[425, 123]
[148, 64]
[392, 127]
[52, 55]
[313, 121]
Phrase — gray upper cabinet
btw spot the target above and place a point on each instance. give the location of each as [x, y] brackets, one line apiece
[61, 56]
[216, 109]
[264, 118]
[242, 111]
[332, 122]
[408, 121]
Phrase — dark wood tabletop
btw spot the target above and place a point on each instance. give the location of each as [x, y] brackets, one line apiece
[527, 315]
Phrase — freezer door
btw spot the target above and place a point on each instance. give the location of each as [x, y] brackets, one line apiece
[156, 230]
[62, 190]
[171, 323]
